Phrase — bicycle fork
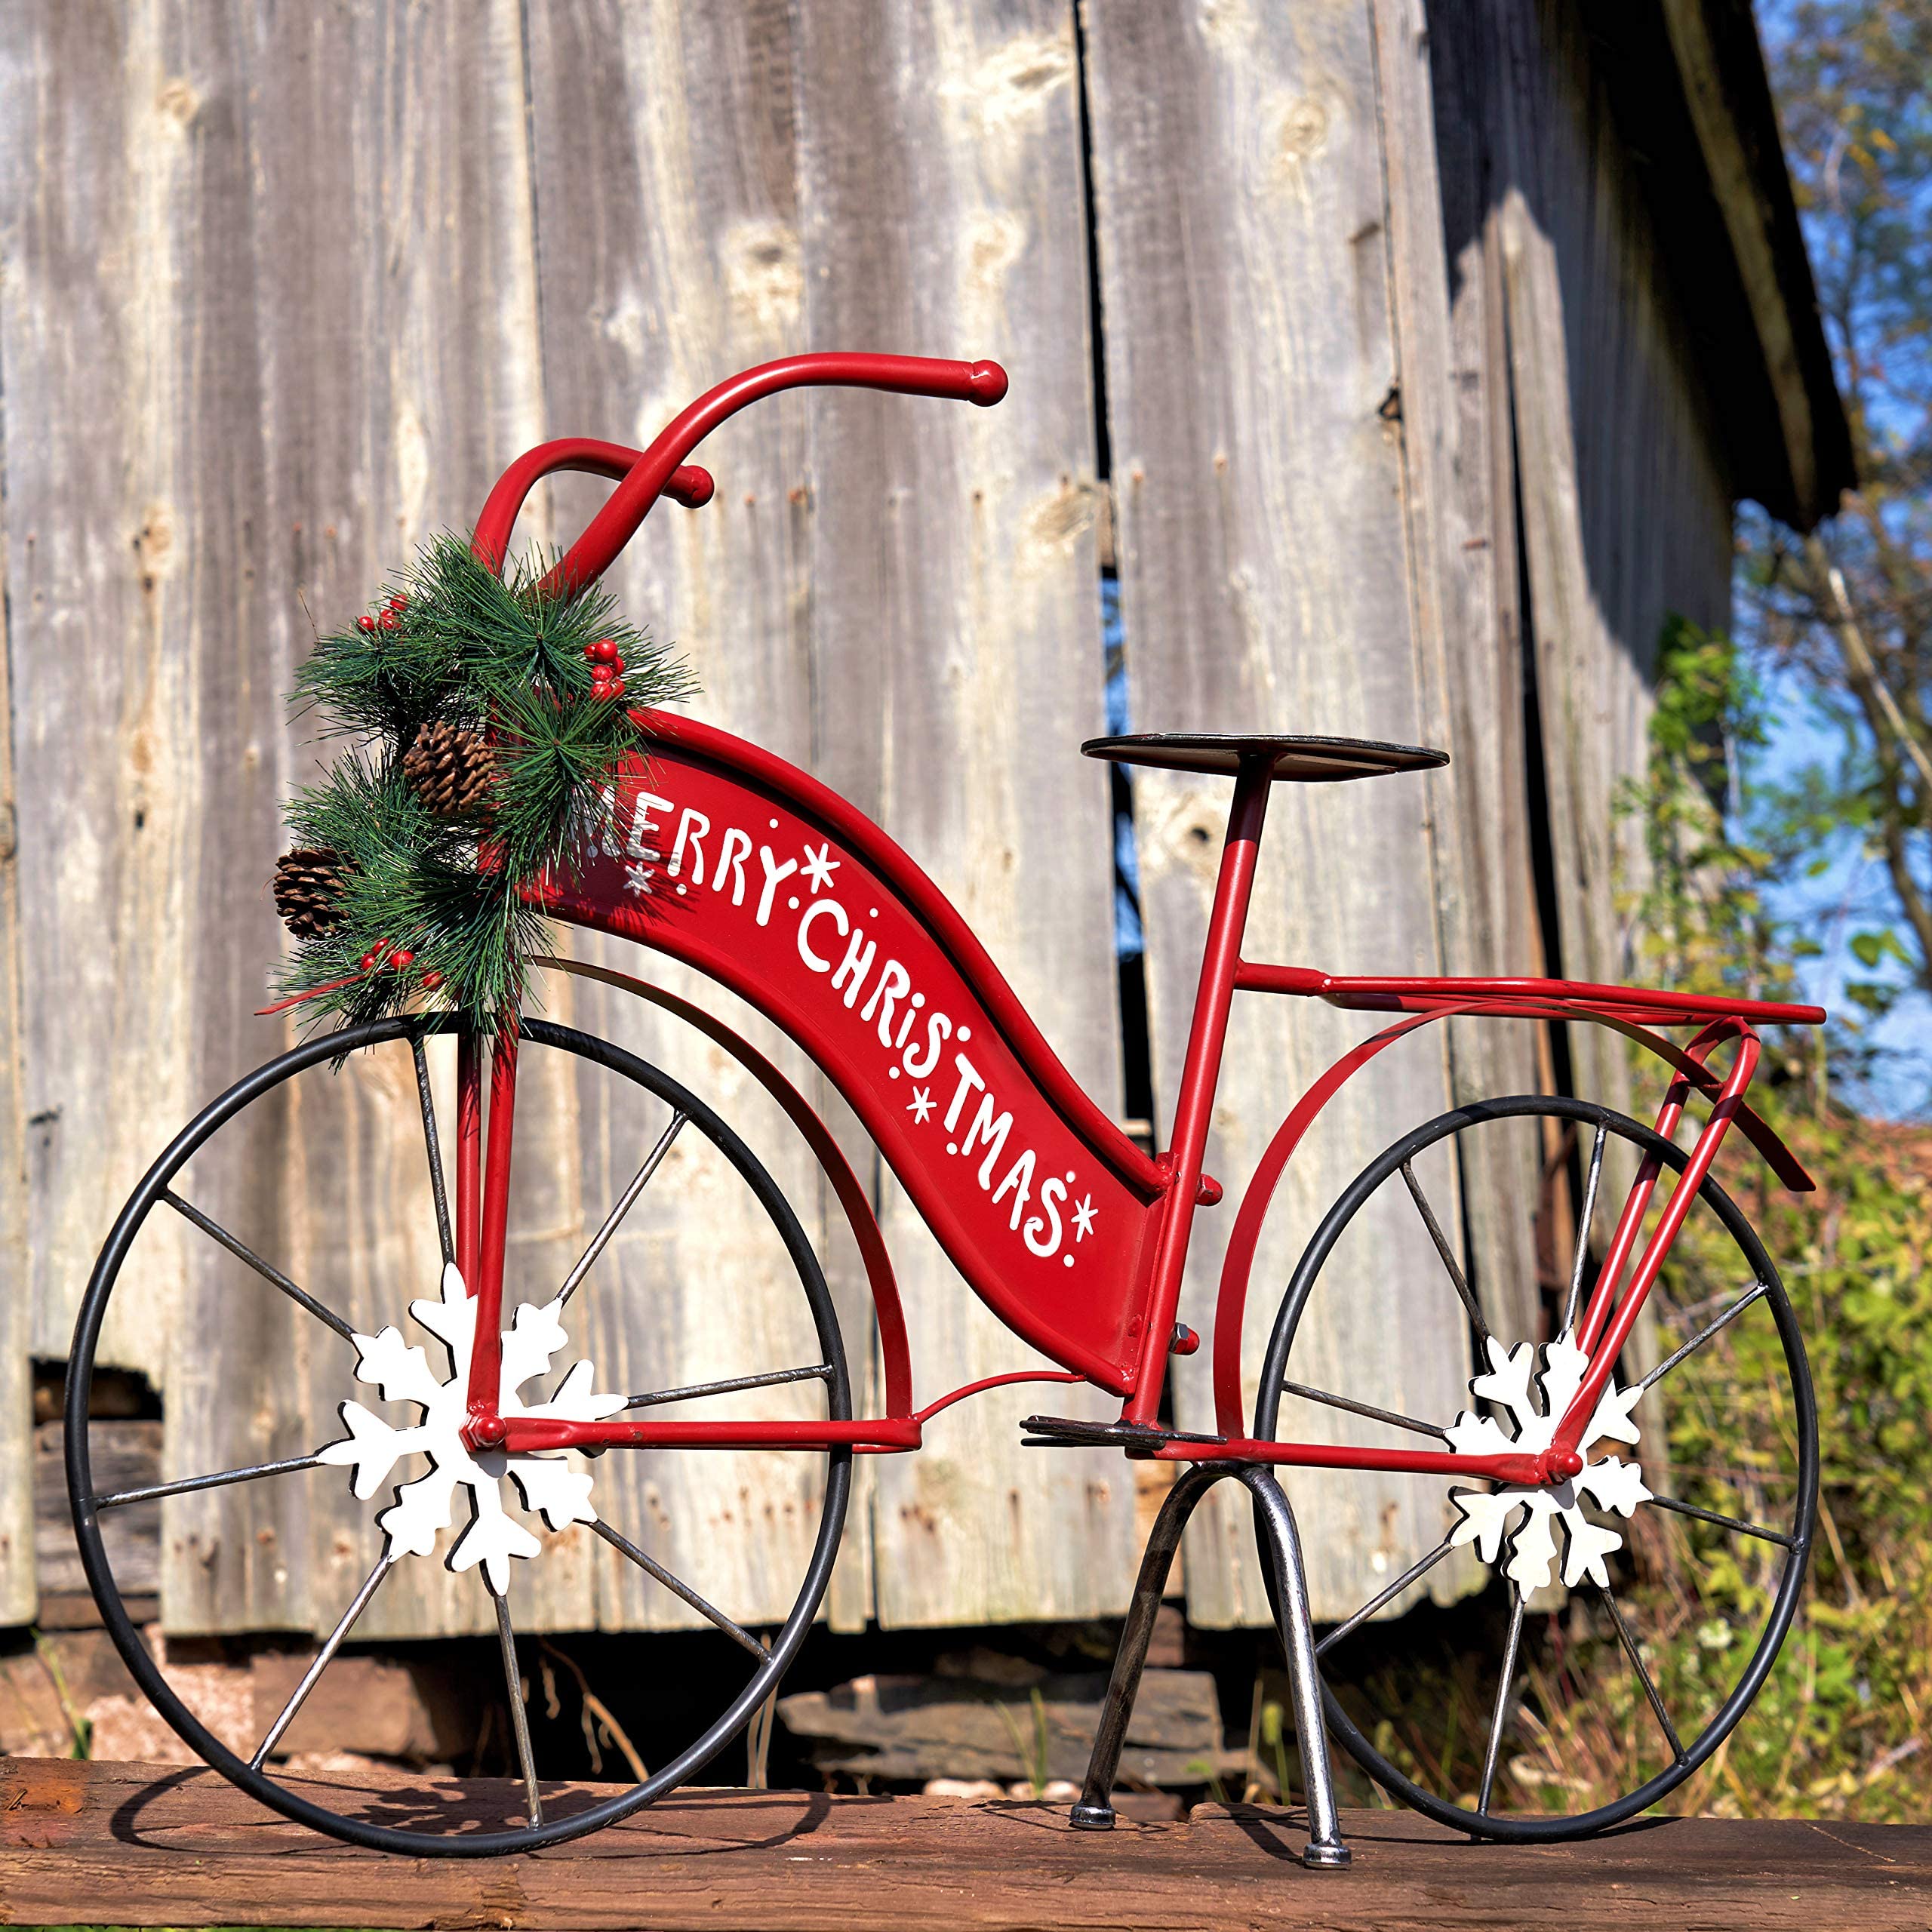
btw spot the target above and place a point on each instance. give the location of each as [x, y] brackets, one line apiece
[1603, 1334]
[483, 1186]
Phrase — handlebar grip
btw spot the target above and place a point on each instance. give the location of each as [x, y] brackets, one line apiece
[691, 484]
[688, 484]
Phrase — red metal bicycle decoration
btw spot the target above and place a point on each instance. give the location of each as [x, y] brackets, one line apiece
[722, 856]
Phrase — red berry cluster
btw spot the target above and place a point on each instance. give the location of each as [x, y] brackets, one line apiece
[386, 619]
[607, 669]
[396, 959]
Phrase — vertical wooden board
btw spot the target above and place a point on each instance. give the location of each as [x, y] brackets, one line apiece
[667, 207]
[399, 335]
[1626, 513]
[955, 624]
[1462, 569]
[1488, 685]
[133, 427]
[17, 1588]
[100, 167]
[1240, 209]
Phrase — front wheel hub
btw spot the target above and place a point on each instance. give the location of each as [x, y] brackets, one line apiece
[485, 1432]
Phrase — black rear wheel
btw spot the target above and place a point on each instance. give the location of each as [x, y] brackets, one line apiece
[407, 1356]
[1627, 1619]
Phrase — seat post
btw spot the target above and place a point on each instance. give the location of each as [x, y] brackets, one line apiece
[1200, 1073]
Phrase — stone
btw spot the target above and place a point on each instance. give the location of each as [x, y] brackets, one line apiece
[970, 1728]
[48, 1686]
[372, 1706]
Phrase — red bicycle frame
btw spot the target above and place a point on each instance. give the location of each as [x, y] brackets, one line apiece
[722, 856]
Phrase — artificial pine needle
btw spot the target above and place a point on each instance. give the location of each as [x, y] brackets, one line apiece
[453, 643]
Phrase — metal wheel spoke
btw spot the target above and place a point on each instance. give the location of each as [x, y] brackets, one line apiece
[1367, 1409]
[243, 1252]
[1723, 1522]
[821, 1373]
[679, 1588]
[1643, 1675]
[1388, 1596]
[219, 1480]
[310, 1676]
[1442, 1248]
[434, 1147]
[625, 1200]
[1697, 1341]
[1502, 1690]
[519, 1717]
[1573, 1299]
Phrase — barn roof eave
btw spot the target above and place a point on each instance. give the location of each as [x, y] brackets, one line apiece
[1687, 84]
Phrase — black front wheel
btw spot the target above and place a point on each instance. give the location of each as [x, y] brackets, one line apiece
[1607, 1635]
[255, 1228]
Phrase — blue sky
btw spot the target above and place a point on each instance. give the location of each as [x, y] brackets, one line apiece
[1828, 907]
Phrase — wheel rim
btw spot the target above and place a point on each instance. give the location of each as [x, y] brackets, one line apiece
[1589, 1123]
[776, 1652]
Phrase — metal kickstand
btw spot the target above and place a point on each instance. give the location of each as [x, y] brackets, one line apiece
[1274, 1524]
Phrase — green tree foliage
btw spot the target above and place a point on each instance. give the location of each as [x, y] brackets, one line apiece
[1847, 613]
[1841, 1727]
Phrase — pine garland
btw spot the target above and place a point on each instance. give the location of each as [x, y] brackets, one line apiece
[430, 900]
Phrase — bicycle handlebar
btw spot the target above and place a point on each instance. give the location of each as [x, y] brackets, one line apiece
[643, 477]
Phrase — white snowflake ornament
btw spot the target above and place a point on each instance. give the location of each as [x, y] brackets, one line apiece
[1508, 1381]
[545, 1486]
[1588, 1546]
[1486, 1516]
[1612, 1416]
[1533, 1552]
[1614, 1484]
[1524, 1519]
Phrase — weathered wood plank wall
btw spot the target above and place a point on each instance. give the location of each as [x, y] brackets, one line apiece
[129, 357]
[879, 583]
[283, 290]
[19, 1590]
[707, 198]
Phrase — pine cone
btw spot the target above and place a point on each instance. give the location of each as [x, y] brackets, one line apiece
[451, 771]
[308, 881]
